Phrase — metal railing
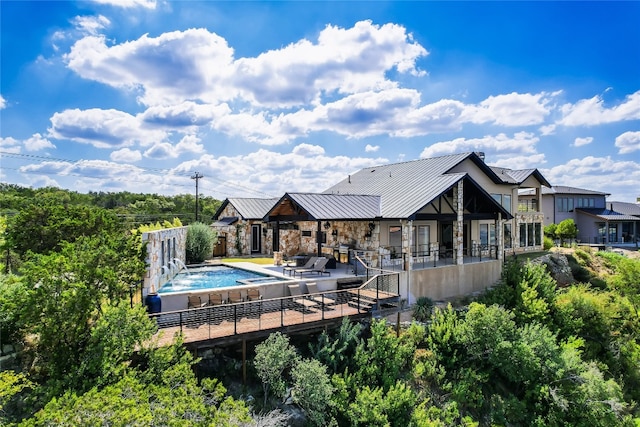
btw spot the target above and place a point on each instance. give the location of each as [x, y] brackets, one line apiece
[217, 321]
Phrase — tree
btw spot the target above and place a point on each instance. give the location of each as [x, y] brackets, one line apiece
[67, 293]
[567, 229]
[273, 356]
[200, 241]
[312, 390]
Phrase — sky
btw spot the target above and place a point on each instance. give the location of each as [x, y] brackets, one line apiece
[263, 98]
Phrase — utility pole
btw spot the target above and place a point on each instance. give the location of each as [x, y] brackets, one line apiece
[196, 176]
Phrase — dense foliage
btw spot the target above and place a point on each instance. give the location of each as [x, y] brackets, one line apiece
[200, 241]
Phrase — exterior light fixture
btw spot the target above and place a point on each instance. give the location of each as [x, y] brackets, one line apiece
[327, 225]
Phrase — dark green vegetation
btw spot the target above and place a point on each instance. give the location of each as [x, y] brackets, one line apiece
[525, 353]
[200, 241]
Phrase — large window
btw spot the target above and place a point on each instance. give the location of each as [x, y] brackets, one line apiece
[508, 238]
[564, 204]
[506, 202]
[527, 205]
[585, 202]
[530, 234]
[395, 240]
[421, 240]
[487, 234]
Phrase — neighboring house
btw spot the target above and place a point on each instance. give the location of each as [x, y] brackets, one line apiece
[598, 221]
[240, 227]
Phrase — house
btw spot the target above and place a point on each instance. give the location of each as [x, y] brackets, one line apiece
[454, 212]
[240, 227]
[598, 221]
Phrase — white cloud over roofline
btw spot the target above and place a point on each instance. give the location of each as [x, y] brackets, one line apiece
[591, 112]
[519, 143]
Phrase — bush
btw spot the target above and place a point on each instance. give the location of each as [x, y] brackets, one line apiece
[548, 243]
[422, 309]
[200, 240]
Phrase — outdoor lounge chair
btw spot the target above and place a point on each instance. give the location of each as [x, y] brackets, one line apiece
[253, 295]
[254, 307]
[195, 318]
[300, 298]
[216, 299]
[318, 267]
[312, 288]
[308, 264]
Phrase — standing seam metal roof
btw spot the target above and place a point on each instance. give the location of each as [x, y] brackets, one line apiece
[252, 208]
[338, 206]
[406, 187]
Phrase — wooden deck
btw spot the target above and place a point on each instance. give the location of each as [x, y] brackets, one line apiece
[233, 322]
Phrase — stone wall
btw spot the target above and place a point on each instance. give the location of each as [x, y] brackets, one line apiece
[163, 248]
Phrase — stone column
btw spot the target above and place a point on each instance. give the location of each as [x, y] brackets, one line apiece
[499, 241]
[458, 225]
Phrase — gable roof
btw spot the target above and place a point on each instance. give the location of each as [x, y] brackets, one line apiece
[518, 176]
[407, 187]
[563, 189]
[320, 206]
[248, 208]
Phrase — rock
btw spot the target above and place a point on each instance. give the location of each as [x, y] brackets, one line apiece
[557, 266]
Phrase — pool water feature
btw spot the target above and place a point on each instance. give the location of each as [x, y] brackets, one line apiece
[213, 277]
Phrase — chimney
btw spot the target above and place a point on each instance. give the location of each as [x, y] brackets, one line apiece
[480, 154]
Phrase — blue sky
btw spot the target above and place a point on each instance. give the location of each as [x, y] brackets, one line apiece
[267, 97]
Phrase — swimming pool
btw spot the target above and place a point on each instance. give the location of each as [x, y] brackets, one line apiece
[213, 277]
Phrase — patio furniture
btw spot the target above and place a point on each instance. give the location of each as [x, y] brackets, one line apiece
[308, 265]
[300, 298]
[319, 267]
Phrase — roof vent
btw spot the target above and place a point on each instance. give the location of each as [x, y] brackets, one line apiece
[481, 155]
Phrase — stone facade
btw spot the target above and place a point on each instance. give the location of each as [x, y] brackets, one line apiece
[238, 235]
[166, 255]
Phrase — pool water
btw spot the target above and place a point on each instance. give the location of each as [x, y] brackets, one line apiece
[212, 277]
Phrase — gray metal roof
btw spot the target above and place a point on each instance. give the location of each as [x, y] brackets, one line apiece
[250, 208]
[406, 187]
[338, 206]
[518, 176]
[607, 214]
[626, 208]
[563, 189]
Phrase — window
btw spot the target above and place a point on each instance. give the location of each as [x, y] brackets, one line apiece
[487, 234]
[523, 235]
[507, 237]
[421, 240]
[564, 204]
[530, 240]
[538, 233]
[527, 205]
[497, 197]
[395, 240]
[306, 233]
[506, 202]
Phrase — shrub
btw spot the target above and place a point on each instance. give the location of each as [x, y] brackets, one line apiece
[422, 309]
[200, 240]
[547, 243]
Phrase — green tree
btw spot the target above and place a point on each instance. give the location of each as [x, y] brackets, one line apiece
[337, 352]
[273, 357]
[566, 230]
[550, 230]
[67, 293]
[200, 241]
[312, 390]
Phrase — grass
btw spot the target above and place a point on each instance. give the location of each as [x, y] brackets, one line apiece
[261, 261]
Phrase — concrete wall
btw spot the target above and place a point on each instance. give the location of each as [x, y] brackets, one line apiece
[449, 281]
[162, 247]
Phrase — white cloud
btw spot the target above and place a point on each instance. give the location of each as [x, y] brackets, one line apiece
[547, 130]
[579, 142]
[3, 103]
[183, 115]
[518, 162]
[160, 151]
[305, 169]
[125, 155]
[37, 142]
[520, 143]
[190, 144]
[514, 109]
[127, 4]
[89, 24]
[371, 148]
[591, 112]
[102, 128]
[10, 145]
[619, 178]
[628, 142]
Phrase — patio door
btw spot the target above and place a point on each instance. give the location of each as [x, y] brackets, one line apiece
[446, 235]
[256, 233]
